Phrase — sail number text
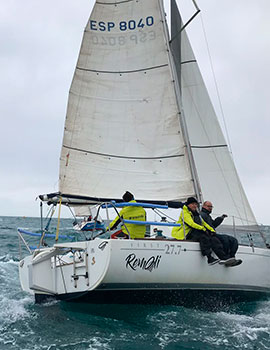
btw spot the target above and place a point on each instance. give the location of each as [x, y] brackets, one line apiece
[122, 26]
[172, 249]
[112, 40]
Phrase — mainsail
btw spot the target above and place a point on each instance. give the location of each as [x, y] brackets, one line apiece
[122, 130]
[217, 174]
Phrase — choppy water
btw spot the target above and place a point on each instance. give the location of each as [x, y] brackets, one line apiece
[60, 326]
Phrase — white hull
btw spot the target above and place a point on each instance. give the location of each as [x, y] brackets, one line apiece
[132, 265]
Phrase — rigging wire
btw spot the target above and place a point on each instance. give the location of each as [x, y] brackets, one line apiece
[74, 217]
[216, 86]
[162, 214]
[221, 106]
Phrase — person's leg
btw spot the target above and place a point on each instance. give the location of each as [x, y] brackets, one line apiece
[233, 246]
[218, 248]
[205, 244]
[225, 241]
[202, 238]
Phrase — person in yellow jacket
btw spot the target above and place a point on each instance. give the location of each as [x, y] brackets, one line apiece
[130, 213]
[194, 228]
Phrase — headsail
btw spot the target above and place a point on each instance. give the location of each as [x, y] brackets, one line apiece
[122, 127]
[217, 174]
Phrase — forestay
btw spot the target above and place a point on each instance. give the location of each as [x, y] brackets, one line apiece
[122, 127]
[217, 174]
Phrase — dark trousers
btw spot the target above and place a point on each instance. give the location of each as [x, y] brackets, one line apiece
[207, 243]
[230, 244]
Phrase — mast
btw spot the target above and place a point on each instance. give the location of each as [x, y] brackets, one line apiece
[182, 120]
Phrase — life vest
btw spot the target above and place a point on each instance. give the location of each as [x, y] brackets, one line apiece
[189, 224]
[132, 213]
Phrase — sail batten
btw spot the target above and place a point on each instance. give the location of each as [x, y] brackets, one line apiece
[123, 72]
[125, 157]
[208, 146]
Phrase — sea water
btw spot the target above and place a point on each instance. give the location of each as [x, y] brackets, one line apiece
[59, 325]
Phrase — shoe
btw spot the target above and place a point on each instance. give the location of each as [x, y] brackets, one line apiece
[236, 262]
[212, 261]
[227, 262]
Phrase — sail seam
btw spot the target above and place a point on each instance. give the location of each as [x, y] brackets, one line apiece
[108, 99]
[122, 157]
[190, 61]
[122, 72]
[114, 3]
[213, 146]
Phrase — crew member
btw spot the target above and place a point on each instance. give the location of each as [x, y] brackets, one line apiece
[230, 243]
[194, 228]
[129, 213]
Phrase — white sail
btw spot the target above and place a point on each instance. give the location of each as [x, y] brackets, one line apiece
[84, 210]
[215, 168]
[122, 127]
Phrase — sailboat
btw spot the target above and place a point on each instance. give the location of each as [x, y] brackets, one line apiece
[139, 118]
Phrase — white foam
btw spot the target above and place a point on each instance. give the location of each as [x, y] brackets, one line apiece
[92, 344]
[231, 317]
[8, 259]
[12, 310]
[49, 303]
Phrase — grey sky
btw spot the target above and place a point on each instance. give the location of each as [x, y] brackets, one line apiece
[39, 43]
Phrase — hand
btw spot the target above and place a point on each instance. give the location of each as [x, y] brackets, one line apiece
[224, 216]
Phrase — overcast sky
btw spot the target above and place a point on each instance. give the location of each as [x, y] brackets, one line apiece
[39, 43]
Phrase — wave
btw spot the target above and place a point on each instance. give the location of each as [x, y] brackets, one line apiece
[9, 259]
[179, 327]
[12, 310]
[6, 228]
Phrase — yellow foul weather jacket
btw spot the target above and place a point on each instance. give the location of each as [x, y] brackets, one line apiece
[181, 232]
[131, 213]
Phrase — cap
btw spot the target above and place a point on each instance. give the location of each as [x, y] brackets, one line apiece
[191, 200]
[127, 197]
